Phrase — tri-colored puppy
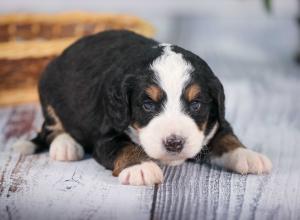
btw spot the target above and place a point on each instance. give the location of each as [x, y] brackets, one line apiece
[134, 103]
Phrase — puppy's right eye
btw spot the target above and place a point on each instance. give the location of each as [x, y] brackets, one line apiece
[195, 106]
[148, 106]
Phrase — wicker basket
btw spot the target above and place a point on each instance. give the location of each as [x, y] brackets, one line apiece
[29, 41]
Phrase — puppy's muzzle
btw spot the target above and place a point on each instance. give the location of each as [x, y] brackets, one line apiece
[174, 143]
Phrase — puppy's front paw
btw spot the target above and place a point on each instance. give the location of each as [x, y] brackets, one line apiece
[146, 173]
[65, 148]
[244, 161]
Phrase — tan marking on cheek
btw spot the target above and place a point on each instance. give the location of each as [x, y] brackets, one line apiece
[136, 126]
[192, 92]
[128, 156]
[154, 92]
[202, 126]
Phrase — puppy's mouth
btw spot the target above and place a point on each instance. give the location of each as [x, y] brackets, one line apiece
[172, 160]
[171, 143]
[172, 150]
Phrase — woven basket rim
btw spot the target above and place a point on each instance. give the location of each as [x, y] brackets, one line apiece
[14, 49]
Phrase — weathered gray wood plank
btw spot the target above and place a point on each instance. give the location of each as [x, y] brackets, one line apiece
[38, 188]
[35, 187]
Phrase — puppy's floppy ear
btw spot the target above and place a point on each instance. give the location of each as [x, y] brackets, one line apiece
[117, 103]
[217, 93]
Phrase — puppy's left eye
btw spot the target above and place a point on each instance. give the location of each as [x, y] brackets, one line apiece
[149, 106]
[195, 106]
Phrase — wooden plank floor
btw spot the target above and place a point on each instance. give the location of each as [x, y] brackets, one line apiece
[36, 187]
[266, 118]
[263, 104]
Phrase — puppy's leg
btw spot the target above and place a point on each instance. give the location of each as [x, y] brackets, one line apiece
[62, 145]
[227, 151]
[37, 144]
[65, 148]
[129, 162]
[134, 168]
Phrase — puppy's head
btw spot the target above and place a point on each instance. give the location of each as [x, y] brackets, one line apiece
[176, 105]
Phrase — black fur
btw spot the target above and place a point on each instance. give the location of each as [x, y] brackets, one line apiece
[96, 89]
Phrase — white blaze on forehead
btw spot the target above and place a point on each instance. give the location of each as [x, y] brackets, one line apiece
[172, 73]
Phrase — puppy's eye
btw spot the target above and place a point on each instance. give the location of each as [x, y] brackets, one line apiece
[148, 106]
[195, 106]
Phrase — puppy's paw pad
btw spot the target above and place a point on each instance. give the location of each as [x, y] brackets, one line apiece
[146, 173]
[245, 161]
[65, 148]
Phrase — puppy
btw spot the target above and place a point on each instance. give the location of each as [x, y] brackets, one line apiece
[134, 103]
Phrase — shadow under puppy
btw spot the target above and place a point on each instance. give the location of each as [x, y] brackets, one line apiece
[134, 103]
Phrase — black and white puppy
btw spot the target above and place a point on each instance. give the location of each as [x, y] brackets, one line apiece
[134, 103]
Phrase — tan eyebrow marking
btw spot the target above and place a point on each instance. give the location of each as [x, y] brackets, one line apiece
[136, 125]
[192, 92]
[154, 92]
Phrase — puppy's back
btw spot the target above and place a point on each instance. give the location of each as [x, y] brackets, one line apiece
[74, 83]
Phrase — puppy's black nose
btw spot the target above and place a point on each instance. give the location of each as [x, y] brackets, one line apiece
[174, 143]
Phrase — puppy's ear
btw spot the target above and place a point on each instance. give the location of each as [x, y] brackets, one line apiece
[117, 103]
[217, 93]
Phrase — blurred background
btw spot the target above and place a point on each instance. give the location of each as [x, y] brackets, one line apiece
[221, 31]
[251, 45]
[237, 38]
